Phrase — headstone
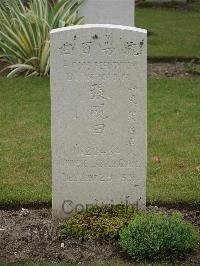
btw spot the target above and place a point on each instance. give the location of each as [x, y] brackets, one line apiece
[99, 116]
[118, 12]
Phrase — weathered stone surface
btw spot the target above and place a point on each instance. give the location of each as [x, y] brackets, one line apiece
[99, 109]
[118, 12]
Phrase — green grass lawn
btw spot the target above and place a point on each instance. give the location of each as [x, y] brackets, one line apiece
[176, 33]
[173, 135]
[25, 165]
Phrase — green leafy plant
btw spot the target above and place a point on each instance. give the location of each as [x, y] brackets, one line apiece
[24, 33]
[103, 222]
[192, 68]
[157, 236]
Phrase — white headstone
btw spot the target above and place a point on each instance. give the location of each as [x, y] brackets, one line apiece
[99, 116]
[118, 12]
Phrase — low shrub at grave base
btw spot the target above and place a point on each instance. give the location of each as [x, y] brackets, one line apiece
[156, 236]
[103, 222]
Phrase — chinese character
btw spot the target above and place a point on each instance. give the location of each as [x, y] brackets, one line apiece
[132, 115]
[99, 128]
[97, 92]
[86, 46]
[67, 48]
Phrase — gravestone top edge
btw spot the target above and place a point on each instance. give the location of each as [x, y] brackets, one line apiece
[98, 26]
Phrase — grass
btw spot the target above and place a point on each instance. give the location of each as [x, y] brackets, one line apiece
[25, 166]
[173, 135]
[175, 33]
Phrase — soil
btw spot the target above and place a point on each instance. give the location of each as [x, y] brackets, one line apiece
[3, 72]
[32, 235]
[170, 4]
[171, 70]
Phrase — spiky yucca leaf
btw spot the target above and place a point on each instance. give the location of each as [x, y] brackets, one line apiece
[24, 33]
